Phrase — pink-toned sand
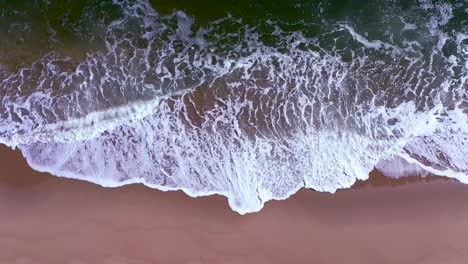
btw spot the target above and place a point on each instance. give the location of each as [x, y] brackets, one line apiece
[44, 219]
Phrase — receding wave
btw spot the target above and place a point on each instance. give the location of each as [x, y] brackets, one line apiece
[250, 109]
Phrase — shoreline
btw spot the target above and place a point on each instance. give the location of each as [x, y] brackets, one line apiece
[47, 219]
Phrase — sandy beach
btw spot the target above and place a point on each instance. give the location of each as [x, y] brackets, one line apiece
[46, 219]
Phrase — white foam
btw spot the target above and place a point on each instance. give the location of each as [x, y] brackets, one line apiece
[251, 122]
[462, 177]
[247, 176]
[161, 152]
[399, 167]
[84, 128]
[375, 44]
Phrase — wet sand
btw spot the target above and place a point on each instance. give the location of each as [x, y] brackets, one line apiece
[45, 219]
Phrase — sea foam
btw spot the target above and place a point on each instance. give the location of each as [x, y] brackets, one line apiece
[217, 111]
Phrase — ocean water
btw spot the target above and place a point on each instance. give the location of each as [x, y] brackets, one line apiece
[252, 100]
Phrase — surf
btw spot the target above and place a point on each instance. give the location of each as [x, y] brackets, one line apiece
[253, 112]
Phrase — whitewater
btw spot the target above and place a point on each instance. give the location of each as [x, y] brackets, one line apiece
[253, 112]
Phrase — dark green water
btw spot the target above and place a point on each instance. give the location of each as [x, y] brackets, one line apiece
[33, 28]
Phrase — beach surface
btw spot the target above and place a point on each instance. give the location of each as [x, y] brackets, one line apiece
[46, 219]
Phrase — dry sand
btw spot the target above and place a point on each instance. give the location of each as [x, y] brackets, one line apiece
[45, 219]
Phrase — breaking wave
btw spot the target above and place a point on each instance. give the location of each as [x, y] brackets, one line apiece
[250, 109]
